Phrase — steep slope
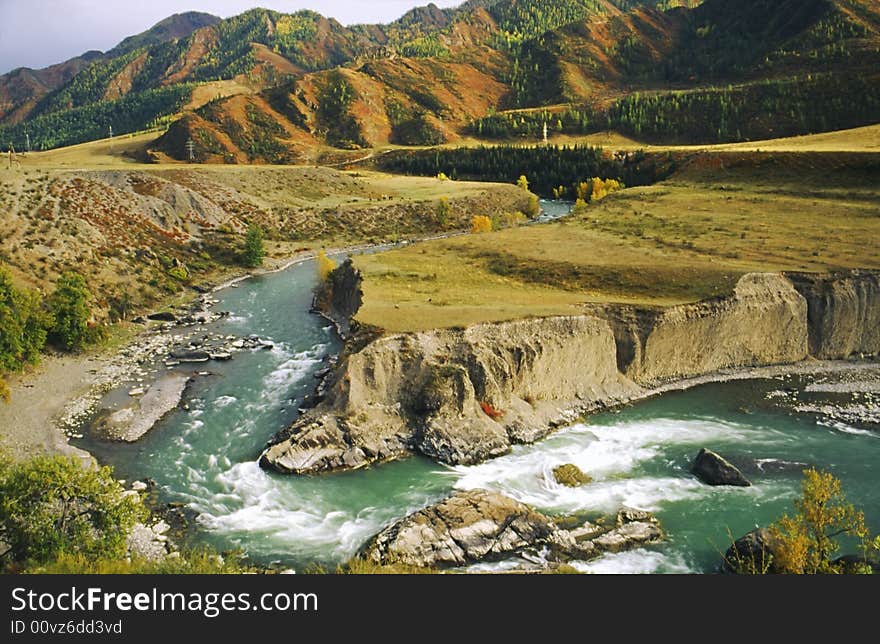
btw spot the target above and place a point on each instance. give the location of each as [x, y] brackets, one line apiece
[724, 71]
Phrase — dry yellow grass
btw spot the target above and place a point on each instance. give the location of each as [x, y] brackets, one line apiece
[681, 241]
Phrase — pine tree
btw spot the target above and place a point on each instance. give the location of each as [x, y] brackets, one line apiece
[254, 249]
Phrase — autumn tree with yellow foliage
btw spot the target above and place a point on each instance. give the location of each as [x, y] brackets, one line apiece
[481, 224]
[808, 540]
[325, 266]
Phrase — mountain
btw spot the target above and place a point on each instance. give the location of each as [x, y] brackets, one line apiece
[21, 90]
[180, 25]
[270, 87]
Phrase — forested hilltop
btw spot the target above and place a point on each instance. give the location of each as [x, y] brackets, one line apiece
[266, 87]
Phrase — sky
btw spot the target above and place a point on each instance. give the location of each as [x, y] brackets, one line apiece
[38, 33]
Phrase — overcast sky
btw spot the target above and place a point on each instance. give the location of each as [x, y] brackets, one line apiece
[38, 33]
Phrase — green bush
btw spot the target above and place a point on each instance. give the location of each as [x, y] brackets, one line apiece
[70, 310]
[52, 506]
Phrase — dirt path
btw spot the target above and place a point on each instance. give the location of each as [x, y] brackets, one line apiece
[28, 422]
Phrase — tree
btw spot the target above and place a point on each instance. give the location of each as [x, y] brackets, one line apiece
[23, 326]
[254, 249]
[52, 505]
[534, 207]
[70, 312]
[481, 224]
[523, 182]
[325, 266]
[580, 207]
[443, 212]
[809, 539]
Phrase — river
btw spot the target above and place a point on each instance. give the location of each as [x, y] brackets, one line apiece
[205, 455]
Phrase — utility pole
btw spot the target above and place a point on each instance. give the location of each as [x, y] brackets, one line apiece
[111, 138]
[545, 132]
[191, 149]
[27, 137]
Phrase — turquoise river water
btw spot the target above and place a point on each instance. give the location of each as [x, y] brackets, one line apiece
[206, 455]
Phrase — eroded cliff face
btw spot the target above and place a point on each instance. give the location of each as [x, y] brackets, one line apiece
[463, 396]
[459, 396]
[843, 312]
[762, 323]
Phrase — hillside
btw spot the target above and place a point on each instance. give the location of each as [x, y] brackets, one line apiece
[142, 234]
[287, 87]
[145, 80]
[23, 89]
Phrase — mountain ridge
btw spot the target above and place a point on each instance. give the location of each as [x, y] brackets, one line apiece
[305, 81]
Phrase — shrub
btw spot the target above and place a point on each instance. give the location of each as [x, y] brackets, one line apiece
[52, 505]
[23, 327]
[442, 176]
[534, 207]
[179, 273]
[443, 212]
[481, 224]
[808, 540]
[523, 182]
[601, 189]
[580, 207]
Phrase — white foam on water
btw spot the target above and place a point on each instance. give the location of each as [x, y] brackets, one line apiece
[847, 429]
[224, 401]
[609, 454]
[291, 519]
[294, 368]
[636, 562]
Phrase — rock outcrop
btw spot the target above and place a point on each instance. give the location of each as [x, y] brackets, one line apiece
[762, 323]
[462, 396]
[477, 525]
[752, 553]
[713, 469]
[339, 298]
[458, 396]
[843, 312]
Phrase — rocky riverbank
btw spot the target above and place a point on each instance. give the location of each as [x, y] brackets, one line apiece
[462, 396]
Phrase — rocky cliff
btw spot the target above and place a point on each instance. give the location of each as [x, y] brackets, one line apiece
[843, 312]
[466, 395]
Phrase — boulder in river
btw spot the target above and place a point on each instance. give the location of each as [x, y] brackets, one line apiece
[752, 553]
[464, 528]
[570, 475]
[478, 525]
[713, 469]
